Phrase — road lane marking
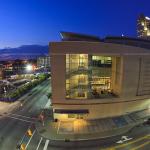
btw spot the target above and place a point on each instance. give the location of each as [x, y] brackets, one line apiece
[22, 116]
[58, 127]
[123, 139]
[46, 145]
[20, 142]
[30, 139]
[39, 143]
[140, 146]
[134, 141]
[20, 119]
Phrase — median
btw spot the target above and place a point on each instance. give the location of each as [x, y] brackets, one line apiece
[14, 95]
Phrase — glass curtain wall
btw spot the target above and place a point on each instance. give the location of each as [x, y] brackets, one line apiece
[87, 76]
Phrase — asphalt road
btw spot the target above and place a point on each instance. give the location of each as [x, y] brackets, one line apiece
[14, 125]
[138, 139]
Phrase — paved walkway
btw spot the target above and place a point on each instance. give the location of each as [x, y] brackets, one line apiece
[81, 129]
[6, 107]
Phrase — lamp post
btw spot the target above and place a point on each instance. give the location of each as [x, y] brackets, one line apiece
[5, 91]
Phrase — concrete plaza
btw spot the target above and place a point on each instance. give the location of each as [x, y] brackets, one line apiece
[80, 129]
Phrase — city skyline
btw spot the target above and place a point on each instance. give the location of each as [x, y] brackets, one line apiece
[38, 22]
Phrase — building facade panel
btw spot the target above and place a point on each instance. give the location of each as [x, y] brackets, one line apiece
[144, 80]
[102, 110]
[58, 67]
[130, 75]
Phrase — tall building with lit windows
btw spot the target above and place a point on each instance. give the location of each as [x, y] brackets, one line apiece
[95, 78]
[43, 62]
[143, 26]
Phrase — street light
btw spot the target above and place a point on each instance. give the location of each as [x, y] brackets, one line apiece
[29, 67]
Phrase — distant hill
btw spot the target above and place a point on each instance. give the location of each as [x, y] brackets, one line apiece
[23, 52]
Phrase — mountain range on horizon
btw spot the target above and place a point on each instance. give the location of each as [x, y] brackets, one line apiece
[23, 52]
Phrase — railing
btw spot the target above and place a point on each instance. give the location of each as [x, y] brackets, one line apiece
[91, 94]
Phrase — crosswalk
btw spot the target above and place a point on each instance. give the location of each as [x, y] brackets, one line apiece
[31, 140]
[38, 143]
[21, 118]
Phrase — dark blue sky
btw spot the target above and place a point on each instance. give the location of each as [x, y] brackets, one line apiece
[39, 21]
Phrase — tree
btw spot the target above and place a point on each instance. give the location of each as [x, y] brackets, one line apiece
[49, 95]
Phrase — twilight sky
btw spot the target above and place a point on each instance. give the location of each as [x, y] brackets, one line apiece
[39, 21]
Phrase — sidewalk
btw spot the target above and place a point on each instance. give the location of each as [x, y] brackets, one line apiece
[8, 107]
[81, 129]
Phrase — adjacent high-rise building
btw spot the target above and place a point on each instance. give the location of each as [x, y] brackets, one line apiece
[143, 26]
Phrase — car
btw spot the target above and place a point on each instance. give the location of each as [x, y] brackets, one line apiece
[146, 122]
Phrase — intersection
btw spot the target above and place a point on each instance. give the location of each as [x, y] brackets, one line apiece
[15, 125]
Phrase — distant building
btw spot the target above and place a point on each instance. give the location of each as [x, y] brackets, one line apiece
[95, 78]
[43, 62]
[1, 72]
[143, 26]
[8, 68]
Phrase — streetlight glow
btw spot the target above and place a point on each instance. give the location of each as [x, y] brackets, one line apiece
[29, 67]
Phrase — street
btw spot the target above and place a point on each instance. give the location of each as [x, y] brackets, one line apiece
[140, 141]
[14, 125]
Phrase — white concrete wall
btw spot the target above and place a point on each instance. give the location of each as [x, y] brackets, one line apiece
[108, 109]
[58, 68]
[130, 76]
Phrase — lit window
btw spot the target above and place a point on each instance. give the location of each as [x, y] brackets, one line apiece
[148, 33]
[145, 28]
[102, 61]
[81, 94]
[142, 23]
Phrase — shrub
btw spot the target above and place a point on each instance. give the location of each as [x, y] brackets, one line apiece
[26, 87]
[49, 95]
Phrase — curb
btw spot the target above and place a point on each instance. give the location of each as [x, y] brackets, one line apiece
[96, 138]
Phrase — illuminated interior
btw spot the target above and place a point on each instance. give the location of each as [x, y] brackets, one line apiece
[88, 76]
[144, 26]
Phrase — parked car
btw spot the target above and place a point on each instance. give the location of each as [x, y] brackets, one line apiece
[146, 122]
